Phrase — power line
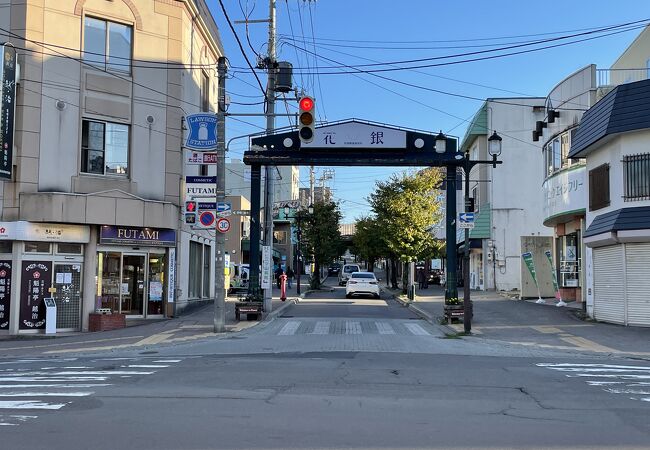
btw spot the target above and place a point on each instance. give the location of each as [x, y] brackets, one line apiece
[302, 80]
[241, 47]
[320, 90]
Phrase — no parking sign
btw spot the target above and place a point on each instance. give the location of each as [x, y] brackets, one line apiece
[206, 218]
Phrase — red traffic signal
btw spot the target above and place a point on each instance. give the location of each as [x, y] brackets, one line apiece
[190, 207]
[306, 119]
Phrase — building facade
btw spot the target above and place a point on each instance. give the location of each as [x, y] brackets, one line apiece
[506, 205]
[91, 215]
[614, 137]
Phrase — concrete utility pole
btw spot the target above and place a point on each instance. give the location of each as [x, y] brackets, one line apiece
[220, 238]
[270, 128]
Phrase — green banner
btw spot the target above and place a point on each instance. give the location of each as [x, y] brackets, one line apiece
[550, 261]
[528, 259]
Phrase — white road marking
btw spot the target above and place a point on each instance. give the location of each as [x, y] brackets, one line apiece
[4, 419]
[352, 328]
[321, 328]
[384, 328]
[11, 386]
[167, 361]
[45, 394]
[145, 366]
[290, 328]
[51, 380]
[29, 404]
[605, 366]
[416, 329]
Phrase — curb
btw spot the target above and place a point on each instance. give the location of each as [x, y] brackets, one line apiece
[433, 320]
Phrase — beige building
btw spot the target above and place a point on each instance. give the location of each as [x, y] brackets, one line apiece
[93, 208]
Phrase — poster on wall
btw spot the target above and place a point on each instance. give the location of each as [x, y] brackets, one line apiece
[5, 293]
[35, 283]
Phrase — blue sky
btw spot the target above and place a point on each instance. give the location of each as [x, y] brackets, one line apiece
[413, 29]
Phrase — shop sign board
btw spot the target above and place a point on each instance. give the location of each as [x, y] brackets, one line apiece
[197, 187]
[152, 237]
[194, 158]
[357, 135]
[565, 192]
[35, 283]
[5, 294]
[266, 267]
[201, 132]
[171, 275]
[8, 67]
[51, 232]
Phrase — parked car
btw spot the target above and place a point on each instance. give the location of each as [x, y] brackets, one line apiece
[362, 283]
[346, 271]
[334, 269]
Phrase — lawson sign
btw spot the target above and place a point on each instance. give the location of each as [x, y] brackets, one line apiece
[202, 132]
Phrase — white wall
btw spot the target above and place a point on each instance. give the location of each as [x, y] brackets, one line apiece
[514, 190]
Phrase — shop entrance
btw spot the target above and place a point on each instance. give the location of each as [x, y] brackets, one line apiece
[131, 283]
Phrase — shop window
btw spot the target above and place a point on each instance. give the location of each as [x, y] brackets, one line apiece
[104, 148]
[107, 45]
[636, 176]
[6, 246]
[599, 187]
[69, 249]
[37, 247]
[280, 237]
[199, 267]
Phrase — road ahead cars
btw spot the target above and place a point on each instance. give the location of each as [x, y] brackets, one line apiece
[362, 283]
[346, 271]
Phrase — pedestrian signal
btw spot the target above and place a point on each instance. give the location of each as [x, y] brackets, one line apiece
[306, 119]
[190, 218]
[190, 207]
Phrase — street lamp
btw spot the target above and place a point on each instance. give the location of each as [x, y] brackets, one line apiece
[494, 147]
[441, 143]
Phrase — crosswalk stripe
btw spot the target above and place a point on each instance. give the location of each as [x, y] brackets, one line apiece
[416, 329]
[290, 328]
[29, 404]
[384, 328]
[321, 328]
[352, 328]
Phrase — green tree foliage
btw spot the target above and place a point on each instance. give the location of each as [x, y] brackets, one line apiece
[368, 241]
[321, 236]
[406, 209]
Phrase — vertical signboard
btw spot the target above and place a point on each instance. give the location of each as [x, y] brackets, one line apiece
[171, 275]
[7, 109]
[5, 293]
[36, 281]
[266, 267]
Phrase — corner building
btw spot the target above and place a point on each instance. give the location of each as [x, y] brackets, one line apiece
[93, 208]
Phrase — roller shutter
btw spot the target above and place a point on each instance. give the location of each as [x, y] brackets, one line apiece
[637, 260]
[609, 288]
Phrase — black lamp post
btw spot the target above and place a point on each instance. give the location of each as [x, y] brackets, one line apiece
[298, 258]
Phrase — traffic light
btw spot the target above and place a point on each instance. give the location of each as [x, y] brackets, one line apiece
[306, 119]
[190, 212]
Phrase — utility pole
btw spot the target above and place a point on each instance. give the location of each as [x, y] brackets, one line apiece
[270, 128]
[311, 185]
[467, 301]
[220, 238]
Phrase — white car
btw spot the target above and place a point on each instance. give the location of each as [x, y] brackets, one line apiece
[362, 283]
[346, 271]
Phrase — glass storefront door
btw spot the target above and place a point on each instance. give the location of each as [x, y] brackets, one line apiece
[131, 283]
[132, 286]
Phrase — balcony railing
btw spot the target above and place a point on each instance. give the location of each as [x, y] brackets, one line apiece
[614, 77]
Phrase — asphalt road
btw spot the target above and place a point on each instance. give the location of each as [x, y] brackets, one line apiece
[330, 374]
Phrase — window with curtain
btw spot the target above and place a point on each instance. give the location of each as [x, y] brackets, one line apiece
[104, 148]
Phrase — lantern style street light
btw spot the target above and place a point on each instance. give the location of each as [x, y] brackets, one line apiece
[441, 143]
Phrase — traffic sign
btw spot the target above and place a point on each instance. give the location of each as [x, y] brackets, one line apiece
[223, 206]
[206, 218]
[223, 225]
[241, 212]
[466, 220]
[190, 218]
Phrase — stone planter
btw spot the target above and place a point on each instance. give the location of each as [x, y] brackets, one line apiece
[106, 322]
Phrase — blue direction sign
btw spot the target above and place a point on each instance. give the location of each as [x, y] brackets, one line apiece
[223, 206]
[202, 132]
[466, 220]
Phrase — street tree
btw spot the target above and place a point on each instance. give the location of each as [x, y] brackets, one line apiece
[368, 241]
[407, 208]
[321, 235]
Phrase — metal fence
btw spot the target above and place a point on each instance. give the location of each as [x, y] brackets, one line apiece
[614, 77]
[636, 170]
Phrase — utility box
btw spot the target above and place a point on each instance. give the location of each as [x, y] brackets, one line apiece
[283, 81]
[50, 316]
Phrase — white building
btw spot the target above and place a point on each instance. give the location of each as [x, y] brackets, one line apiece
[506, 201]
[614, 137]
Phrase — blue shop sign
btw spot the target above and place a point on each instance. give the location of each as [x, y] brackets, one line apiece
[201, 132]
[151, 237]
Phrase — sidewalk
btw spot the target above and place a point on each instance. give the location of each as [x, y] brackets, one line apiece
[197, 324]
[525, 322]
